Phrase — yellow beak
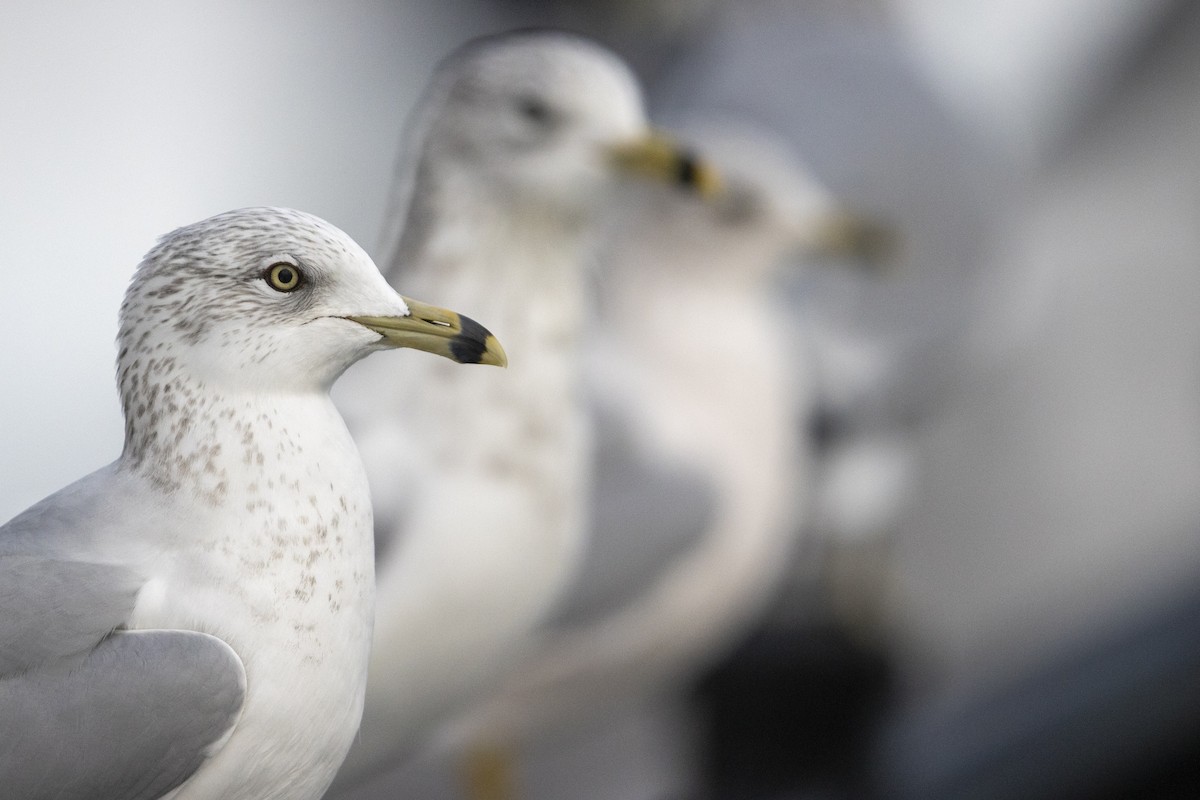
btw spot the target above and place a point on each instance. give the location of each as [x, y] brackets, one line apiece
[846, 234]
[436, 330]
[659, 157]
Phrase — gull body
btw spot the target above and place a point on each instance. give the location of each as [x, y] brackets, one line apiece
[515, 150]
[702, 484]
[174, 623]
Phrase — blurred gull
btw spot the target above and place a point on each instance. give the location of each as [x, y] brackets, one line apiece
[516, 146]
[701, 476]
[172, 624]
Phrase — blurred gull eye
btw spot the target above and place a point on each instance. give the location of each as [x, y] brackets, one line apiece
[284, 277]
[535, 109]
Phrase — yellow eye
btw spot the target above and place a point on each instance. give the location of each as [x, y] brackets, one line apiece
[284, 277]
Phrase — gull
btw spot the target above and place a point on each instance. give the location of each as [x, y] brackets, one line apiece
[702, 475]
[518, 146]
[193, 620]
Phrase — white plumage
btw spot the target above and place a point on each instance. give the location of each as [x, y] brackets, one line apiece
[701, 370]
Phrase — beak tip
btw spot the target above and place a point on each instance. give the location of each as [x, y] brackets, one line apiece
[494, 354]
[475, 344]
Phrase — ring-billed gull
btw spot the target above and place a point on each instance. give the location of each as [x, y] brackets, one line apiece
[176, 623]
[518, 146]
[703, 477]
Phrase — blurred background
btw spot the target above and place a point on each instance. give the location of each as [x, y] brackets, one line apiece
[997, 594]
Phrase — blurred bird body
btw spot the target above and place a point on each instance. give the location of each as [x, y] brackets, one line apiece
[488, 537]
[700, 383]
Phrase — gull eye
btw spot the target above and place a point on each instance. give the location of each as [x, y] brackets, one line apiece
[284, 277]
[535, 109]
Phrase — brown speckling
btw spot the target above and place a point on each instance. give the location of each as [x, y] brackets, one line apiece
[308, 584]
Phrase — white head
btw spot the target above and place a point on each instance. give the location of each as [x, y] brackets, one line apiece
[533, 114]
[544, 117]
[267, 299]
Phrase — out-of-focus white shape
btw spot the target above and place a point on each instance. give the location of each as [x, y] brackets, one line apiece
[1021, 70]
[864, 483]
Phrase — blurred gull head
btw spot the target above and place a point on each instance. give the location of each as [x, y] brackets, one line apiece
[545, 117]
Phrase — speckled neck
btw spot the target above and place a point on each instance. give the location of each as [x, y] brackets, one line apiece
[182, 434]
[170, 424]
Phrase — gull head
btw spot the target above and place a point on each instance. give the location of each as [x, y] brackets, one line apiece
[770, 211]
[271, 299]
[771, 194]
[547, 117]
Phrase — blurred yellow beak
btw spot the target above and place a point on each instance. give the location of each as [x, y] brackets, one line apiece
[659, 157]
[846, 234]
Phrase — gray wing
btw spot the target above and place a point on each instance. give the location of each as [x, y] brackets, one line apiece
[644, 514]
[52, 608]
[130, 721]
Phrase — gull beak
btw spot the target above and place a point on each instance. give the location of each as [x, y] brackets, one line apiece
[436, 330]
[844, 234]
[659, 157]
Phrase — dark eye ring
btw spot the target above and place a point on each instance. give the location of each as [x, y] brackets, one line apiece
[284, 277]
[535, 109]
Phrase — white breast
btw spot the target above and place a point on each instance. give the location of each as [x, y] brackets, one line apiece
[279, 565]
